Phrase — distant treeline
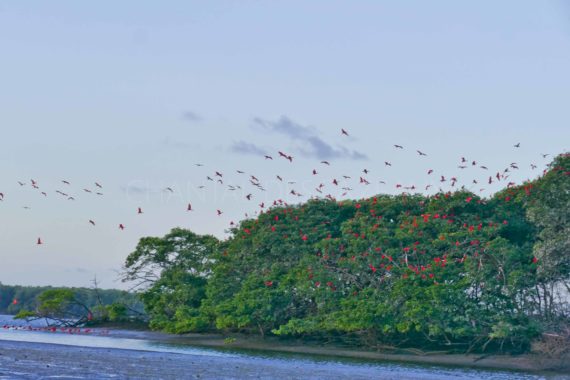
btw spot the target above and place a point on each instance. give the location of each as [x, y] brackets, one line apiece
[15, 298]
[450, 271]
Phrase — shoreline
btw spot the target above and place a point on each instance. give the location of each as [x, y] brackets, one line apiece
[526, 362]
[256, 346]
[46, 360]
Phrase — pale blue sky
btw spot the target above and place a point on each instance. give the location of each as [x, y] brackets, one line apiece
[131, 94]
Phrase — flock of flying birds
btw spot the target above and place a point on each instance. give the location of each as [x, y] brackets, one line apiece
[325, 188]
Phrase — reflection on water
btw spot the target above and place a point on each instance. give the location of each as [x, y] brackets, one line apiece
[23, 331]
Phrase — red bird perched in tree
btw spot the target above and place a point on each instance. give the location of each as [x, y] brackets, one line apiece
[468, 199]
[342, 131]
[139, 211]
[121, 227]
[39, 241]
[189, 208]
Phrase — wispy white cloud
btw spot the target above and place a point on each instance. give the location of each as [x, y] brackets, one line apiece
[310, 143]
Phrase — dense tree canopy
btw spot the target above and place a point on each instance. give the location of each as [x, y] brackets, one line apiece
[451, 269]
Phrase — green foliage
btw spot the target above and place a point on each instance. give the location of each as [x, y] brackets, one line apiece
[172, 272]
[26, 298]
[451, 270]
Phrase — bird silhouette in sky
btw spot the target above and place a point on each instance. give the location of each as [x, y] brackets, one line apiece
[311, 179]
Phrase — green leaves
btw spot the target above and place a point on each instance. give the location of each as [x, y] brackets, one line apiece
[449, 270]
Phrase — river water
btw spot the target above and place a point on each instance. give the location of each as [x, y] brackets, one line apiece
[34, 332]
